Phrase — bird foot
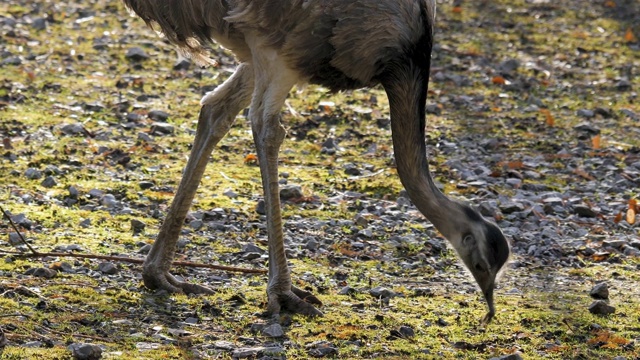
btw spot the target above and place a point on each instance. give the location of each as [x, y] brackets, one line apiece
[295, 301]
[163, 280]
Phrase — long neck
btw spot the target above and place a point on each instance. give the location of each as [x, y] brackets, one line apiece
[406, 88]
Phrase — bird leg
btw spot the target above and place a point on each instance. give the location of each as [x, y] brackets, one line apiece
[218, 112]
[273, 82]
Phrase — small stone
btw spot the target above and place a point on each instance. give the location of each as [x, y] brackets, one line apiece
[584, 211]
[42, 272]
[85, 351]
[137, 226]
[600, 307]
[623, 85]
[144, 249]
[33, 173]
[320, 349]
[39, 24]
[588, 114]
[630, 113]
[95, 193]
[109, 200]
[14, 238]
[230, 194]
[273, 330]
[351, 169]
[158, 115]
[260, 207]
[587, 127]
[73, 192]
[136, 54]
[311, 245]
[182, 64]
[161, 128]
[108, 268]
[144, 185]
[514, 356]
[600, 291]
[290, 192]
[614, 243]
[381, 292]
[73, 129]
[330, 143]
[347, 290]
[407, 331]
[244, 353]
[49, 182]
[196, 224]
[11, 60]
[511, 207]
[361, 220]
[251, 248]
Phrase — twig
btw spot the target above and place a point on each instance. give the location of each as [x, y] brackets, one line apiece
[18, 231]
[353, 178]
[133, 261]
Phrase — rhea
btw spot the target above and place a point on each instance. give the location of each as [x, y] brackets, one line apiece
[337, 44]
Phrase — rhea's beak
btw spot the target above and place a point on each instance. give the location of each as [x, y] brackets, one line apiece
[488, 296]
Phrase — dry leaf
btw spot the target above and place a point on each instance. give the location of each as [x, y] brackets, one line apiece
[251, 158]
[631, 216]
[595, 142]
[629, 36]
[499, 80]
[457, 9]
[618, 218]
[549, 120]
[610, 4]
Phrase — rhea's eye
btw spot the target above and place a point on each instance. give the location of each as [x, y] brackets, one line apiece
[469, 240]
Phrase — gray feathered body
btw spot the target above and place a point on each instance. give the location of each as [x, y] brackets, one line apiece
[338, 44]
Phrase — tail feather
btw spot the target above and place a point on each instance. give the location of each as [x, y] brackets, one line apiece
[188, 24]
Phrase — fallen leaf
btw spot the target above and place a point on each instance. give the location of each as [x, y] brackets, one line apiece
[549, 120]
[595, 142]
[629, 36]
[251, 158]
[610, 4]
[499, 80]
[457, 9]
[631, 216]
[618, 218]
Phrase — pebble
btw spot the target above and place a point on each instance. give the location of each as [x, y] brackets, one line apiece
[81, 351]
[49, 182]
[600, 307]
[290, 192]
[136, 54]
[322, 348]
[160, 128]
[381, 293]
[15, 239]
[137, 226]
[73, 129]
[42, 272]
[32, 173]
[273, 331]
[584, 211]
[600, 291]
[108, 268]
[514, 356]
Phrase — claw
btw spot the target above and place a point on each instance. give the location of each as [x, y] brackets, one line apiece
[166, 281]
[293, 301]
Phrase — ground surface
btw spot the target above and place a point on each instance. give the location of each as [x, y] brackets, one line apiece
[533, 115]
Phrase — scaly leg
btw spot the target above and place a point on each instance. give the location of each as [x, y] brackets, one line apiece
[272, 84]
[218, 112]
